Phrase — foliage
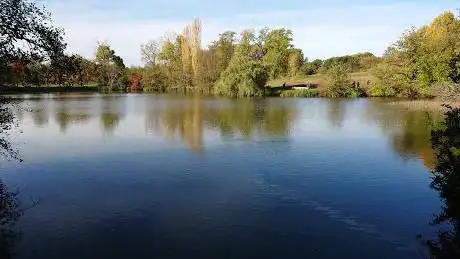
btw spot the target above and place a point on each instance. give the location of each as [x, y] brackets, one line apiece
[245, 75]
[338, 81]
[23, 23]
[424, 62]
[154, 79]
[110, 68]
[295, 62]
[354, 63]
[355, 92]
[311, 68]
[392, 80]
[422, 59]
[247, 78]
[300, 93]
[277, 49]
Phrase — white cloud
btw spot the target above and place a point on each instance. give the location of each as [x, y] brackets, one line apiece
[320, 32]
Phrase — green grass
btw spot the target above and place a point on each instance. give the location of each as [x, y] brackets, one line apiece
[300, 93]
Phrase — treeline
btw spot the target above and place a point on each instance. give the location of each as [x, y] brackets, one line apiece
[234, 65]
[107, 71]
[353, 63]
[424, 62]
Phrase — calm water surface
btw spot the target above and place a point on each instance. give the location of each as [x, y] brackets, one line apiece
[161, 176]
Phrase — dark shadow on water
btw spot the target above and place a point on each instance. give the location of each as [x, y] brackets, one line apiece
[10, 210]
[445, 139]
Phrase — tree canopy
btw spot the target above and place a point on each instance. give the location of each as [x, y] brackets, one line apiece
[26, 32]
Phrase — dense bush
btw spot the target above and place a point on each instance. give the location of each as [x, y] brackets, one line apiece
[422, 59]
[242, 80]
[337, 80]
[355, 92]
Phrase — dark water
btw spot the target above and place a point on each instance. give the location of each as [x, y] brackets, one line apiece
[158, 176]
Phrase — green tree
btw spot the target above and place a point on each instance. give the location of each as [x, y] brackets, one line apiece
[311, 68]
[295, 62]
[223, 49]
[421, 59]
[171, 63]
[244, 76]
[338, 80]
[110, 67]
[277, 45]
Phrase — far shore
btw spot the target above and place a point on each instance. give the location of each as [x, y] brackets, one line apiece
[46, 89]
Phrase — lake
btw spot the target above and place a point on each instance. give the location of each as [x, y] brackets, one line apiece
[165, 176]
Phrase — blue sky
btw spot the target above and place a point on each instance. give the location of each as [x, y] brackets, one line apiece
[321, 28]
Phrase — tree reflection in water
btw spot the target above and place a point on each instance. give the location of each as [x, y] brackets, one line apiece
[9, 202]
[7, 151]
[9, 213]
[445, 140]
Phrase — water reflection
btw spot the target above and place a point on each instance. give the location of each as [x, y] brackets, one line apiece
[336, 113]
[184, 119]
[9, 215]
[113, 110]
[408, 130]
[142, 120]
[446, 180]
[68, 113]
[189, 118]
[9, 202]
[7, 120]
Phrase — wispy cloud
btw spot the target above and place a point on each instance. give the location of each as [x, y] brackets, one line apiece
[321, 31]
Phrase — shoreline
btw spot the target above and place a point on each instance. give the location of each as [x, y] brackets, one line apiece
[410, 104]
[47, 89]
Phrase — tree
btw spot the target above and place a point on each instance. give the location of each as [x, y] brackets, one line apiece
[171, 62]
[150, 52]
[295, 62]
[311, 68]
[338, 80]
[223, 49]
[424, 58]
[110, 67]
[26, 34]
[244, 76]
[277, 45]
[24, 23]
